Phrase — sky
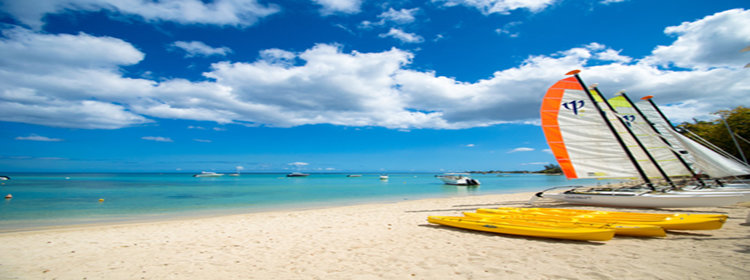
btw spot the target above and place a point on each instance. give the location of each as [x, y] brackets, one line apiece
[340, 85]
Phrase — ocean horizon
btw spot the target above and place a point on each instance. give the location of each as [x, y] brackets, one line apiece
[49, 199]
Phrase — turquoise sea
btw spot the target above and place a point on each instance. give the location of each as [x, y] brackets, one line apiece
[54, 199]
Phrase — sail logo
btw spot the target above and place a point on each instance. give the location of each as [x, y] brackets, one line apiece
[629, 119]
[574, 105]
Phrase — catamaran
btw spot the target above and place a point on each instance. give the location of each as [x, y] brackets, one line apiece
[590, 140]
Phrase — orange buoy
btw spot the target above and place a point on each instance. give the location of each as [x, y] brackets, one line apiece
[101, 200]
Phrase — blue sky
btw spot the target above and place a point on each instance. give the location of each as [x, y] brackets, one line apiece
[339, 85]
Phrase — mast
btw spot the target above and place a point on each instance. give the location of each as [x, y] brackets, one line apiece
[653, 128]
[612, 129]
[731, 134]
[648, 98]
[637, 141]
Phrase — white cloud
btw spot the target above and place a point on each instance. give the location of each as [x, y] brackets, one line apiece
[607, 2]
[202, 140]
[521, 149]
[339, 6]
[714, 41]
[469, 145]
[76, 81]
[402, 36]
[402, 16]
[34, 137]
[157, 138]
[507, 29]
[298, 164]
[197, 48]
[499, 6]
[241, 13]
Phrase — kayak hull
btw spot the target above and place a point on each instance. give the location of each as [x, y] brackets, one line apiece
[666, 221]
[619, 228]
[585, 234]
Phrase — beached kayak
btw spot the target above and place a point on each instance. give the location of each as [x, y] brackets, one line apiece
[562, 222]
[527, 229]
[666, 221]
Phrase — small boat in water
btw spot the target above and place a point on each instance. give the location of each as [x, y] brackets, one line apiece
[384, 177]
[297, 174]
[459, 179]
[4, 178]
[208, 174]
[353, 175]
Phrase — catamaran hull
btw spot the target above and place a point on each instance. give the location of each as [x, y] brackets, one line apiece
[649, 200]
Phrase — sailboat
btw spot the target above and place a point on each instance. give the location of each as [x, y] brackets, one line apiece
[589, 140]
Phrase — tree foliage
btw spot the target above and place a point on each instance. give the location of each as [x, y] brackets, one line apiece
[551, 169]
[716, 132]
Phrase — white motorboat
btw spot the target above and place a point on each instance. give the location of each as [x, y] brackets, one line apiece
[384, 177]
[208, 174]
[459, 179]
[297, 174]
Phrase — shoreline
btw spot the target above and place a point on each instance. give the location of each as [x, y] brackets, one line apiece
[370, 241]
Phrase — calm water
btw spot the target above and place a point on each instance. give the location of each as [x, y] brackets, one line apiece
[64, 199]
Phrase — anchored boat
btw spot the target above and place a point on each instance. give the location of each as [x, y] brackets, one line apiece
[460, 179]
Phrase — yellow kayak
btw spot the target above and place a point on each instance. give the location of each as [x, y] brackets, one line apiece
[666, 221]
[620, 229]
[525, 229]
[655, 216]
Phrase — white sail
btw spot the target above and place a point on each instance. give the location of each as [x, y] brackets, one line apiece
[703, 159]
[640, 155]
[578, 136]
[654, 144]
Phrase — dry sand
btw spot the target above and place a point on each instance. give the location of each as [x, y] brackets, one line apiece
[375, 241]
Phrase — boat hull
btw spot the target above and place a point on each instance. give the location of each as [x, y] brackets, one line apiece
[648, 200]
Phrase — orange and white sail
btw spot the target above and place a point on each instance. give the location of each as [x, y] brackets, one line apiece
[579, 137]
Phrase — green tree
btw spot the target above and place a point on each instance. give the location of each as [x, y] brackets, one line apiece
[551, 169]
[716, 132]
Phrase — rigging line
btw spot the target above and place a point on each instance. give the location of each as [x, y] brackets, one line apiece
[741, 138]
[714, 147]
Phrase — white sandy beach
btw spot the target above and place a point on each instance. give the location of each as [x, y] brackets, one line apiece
[375, 241]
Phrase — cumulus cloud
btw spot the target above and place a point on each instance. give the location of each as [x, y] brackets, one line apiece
[75, 80]
[403, 36]
[35, 137]
[339, 6]
[298, 164]
[402, 16]
[241, 13]
[499, 6]
[521, 149]
[714, 41]
[197, 48]
[157, 138]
